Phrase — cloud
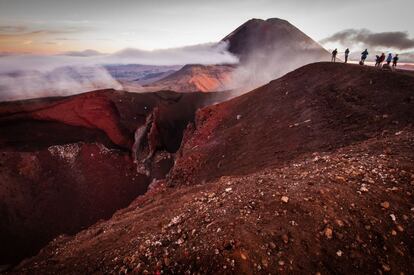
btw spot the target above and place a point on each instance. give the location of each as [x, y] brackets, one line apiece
[58, 82]
[209, 53]
[396, 40]
[85, 53]
[14, 34]
[6, 29]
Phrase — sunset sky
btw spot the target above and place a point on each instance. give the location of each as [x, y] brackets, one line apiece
[54, 26]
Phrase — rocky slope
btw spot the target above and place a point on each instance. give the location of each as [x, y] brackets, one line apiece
[67, 162]
[312, 173]
[318, 107]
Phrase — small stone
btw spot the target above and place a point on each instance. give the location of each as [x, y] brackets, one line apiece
[328, 232]
[339, 223]
[393, 218]
[281, 263]
[400, 228]
[386, 267]
[180, 241]
[228, 189]
[385, 204]
[243, 256]
[285, 238]
[284, 199]
[265, 263]
[339, 253]
[167, 261]
[272, 245]
[393, 232]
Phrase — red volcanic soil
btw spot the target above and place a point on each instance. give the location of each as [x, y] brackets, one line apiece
[60, 189]
[108, 116]
[66, 162]
[196, 78]
[312, 173]
[318, 107]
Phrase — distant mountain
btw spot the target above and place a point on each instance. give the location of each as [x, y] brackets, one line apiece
[272, 36]
[195, 77]
[267, 49]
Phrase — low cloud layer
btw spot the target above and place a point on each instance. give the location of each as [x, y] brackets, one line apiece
[29, 76]
[210, 53]
[395, 40]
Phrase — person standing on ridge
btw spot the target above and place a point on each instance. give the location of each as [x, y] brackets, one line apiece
[364, 56]
[381, 59]
[334, 53]
[395, 60]
[377, 58]
[346, 55]
[389, 59]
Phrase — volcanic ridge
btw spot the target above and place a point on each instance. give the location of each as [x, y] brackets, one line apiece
[311, 173]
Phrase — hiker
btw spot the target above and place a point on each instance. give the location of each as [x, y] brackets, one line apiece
[364, 56]
[334, 53]
[395, 60]
[389, 59]
[381, 59]
[377, 58]
[346, 55]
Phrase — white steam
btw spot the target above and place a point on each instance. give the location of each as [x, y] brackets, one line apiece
[31, 76]
[265, 65]
[206, 54]
[61, 81]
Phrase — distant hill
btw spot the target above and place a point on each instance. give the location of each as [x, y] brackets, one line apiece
[193, 78]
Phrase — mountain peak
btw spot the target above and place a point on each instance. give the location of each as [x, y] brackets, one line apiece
[273, 34]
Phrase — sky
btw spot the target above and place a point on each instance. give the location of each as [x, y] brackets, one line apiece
[57, 26]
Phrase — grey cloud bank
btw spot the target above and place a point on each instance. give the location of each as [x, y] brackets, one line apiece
[395, 40]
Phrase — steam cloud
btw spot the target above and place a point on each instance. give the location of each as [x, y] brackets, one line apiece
[395, 40]
[31, 76]
[265, 65]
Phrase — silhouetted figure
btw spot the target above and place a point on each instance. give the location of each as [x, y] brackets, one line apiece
[364, 56]
[381, 59]
[346, 55]
[334, 53]
[377, 58]
[389, 59]
[395, 61]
